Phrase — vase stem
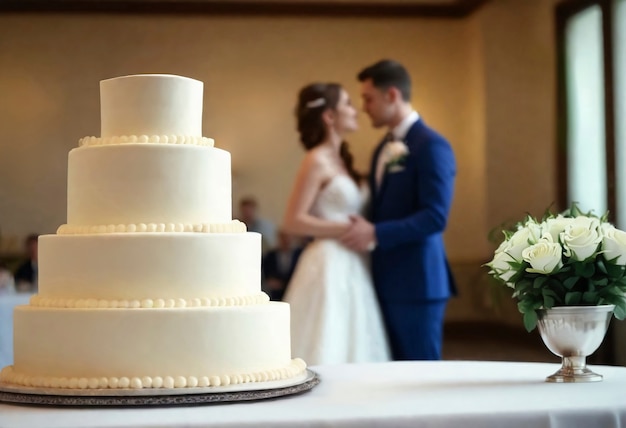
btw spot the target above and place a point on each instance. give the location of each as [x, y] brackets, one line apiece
[575, 363]
[574, 369]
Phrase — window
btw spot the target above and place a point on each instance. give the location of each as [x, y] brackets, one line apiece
[584, 75]
[591, 37]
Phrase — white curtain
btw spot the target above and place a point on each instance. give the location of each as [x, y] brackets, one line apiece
[585, 92]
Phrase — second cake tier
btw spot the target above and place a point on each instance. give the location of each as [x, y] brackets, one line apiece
[149, 270]
[148, 183]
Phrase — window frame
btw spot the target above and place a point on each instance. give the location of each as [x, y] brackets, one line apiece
[564, 11]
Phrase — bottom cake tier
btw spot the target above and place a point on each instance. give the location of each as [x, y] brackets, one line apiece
[151, 348]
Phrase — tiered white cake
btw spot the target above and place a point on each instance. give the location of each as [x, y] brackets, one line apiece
[151, 283]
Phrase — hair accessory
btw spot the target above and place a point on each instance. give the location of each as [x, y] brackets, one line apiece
[317, 102]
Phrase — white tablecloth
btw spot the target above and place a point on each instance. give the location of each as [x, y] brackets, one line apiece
[7, 303]
[401, 394]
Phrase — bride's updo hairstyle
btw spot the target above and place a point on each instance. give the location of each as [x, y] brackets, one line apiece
[313, 101]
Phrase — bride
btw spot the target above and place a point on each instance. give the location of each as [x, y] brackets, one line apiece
[334, 312]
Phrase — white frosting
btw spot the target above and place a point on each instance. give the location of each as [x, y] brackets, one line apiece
[156, 303]
[147, 266]
[154, 104]
[145, 139]
[135, 343]
[151, 283]
[148, 183]
[234, 226]
[295, 368]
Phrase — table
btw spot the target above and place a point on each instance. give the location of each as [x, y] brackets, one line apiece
[438, 394]
[7, 303]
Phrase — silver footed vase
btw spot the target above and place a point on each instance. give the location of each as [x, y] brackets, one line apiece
[573, 333]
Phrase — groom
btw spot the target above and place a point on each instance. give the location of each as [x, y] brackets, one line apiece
[412, 180]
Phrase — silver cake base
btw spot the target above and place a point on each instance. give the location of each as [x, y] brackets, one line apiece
[155, 397]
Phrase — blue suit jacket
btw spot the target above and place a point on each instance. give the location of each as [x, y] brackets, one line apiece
[410, 212]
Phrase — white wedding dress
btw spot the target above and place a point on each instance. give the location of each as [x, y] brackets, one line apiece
[335, 316]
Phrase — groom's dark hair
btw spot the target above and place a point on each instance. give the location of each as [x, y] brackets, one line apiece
[387, 73]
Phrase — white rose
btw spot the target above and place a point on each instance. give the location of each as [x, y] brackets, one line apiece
[581, 238]
[522, 239]
[556, 225]
[504, 245]
[500, 265]
[591, 222]
[395, 150]
[533, 226]
[614, 244]
[606, 228]
[544, 256]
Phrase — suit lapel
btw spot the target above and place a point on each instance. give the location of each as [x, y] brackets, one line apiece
[415, 131]
[412, 135]
[372, 176]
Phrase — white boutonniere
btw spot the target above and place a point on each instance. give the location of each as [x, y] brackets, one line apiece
[395, 155]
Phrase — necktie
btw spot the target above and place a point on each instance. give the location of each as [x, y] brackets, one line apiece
[380, 165]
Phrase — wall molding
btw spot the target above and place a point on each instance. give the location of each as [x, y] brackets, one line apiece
[251, 8]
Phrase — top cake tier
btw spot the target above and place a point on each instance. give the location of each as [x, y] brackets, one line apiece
[151, 170]
[151, 104]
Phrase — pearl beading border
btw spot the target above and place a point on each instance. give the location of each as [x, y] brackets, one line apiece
[194, 140]
[10, 376]
[234, 226]
[91, 303]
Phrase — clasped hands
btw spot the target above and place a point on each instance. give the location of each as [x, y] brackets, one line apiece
[360, 236]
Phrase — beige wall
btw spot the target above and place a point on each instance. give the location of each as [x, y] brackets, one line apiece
[513, 104]
[486, 82]
[252, 69]
[520, 76]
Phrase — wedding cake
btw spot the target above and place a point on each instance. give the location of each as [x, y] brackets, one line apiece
[151, 283]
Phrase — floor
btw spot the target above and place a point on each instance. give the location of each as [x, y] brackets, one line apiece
[493, 342]
[490, 341]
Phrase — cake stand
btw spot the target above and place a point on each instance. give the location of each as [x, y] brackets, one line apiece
[158, 397]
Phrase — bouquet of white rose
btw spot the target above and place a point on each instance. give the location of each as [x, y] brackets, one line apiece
[569, 259]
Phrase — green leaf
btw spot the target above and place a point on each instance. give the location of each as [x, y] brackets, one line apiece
[565, 268]
[613, 299]
[549, 292]
[588, 270]
[573, 298]
[578, 267]
[522, 291]
[574, 211]
[620, 311]
[601, 266]
[591, 286]
[530, 320]
[523, 306]
[614, 271]
[548, 302]
[591, 297]
[538, 303]
[540, 281]
[529, 302]
[570, 282]
[515, 265]
[613, 291]
[601, 282]
[558, 288]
